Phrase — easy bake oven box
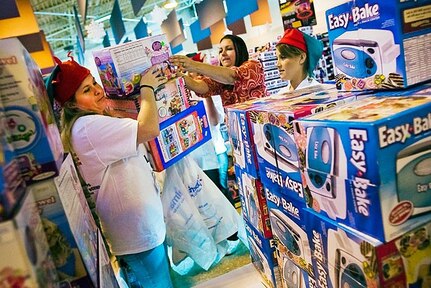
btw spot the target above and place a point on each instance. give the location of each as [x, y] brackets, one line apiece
[380, 44]
[367, 164]
[241, 135]
[253, 202]
[345, 258]
[30, 120]
[263, 256]
[288, 226]
[179, 135]
[120, 66]
[171, 99]
[275, 146]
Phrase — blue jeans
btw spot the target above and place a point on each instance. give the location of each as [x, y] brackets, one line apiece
[146, 269]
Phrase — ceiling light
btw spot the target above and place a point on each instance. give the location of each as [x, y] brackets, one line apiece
[170, 4]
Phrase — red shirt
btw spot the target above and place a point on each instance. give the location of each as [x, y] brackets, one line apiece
[249, 84]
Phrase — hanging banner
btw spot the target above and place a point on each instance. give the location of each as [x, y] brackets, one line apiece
[298, 13]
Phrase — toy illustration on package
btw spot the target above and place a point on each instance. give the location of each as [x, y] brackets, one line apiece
[120, 66]
[172, 98]
[380, 44]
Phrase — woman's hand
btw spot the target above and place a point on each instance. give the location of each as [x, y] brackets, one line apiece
[153, 77]
[184, 63]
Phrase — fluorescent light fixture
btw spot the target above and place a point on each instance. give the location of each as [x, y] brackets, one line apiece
[170, 4]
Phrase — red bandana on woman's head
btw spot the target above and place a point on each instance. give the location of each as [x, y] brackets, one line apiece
[295, 38]
[68, 79]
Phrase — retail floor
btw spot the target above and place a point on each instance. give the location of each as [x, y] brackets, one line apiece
[233, 271]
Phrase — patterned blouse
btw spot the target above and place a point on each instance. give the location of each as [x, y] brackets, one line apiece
[249, 84]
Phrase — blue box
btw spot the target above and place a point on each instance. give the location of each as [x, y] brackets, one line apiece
[272, 125]
[179, 135]
[345, 258]
[366, 162]
[288, 226]
[380, 44]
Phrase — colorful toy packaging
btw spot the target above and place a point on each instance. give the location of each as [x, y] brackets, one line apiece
[12, 185]
[25, 257]
[29, 117]
[253, 202]
[120, 66]
[380, 44]
[368, 162]
[69, 226]
[171, 99]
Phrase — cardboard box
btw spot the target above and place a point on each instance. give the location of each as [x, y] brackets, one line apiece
[12, 185]
[275, 147]
[69, 226]
[289, 230]
[120, 66]
[25, 257]
[380, 44]
[343, 258]
[253, 202]
[366, 162]
[171, 99]
[179, 135]
[29, 116]
[263, 256]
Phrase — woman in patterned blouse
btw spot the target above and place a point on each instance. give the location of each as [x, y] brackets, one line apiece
[236, 80]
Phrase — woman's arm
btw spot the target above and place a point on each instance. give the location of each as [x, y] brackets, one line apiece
[220, 74]
[148, 119]
[199, 86]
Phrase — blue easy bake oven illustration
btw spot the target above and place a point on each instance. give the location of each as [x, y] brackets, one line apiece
[346, 258]
[369, 162]
[380, 44]
[289, 230]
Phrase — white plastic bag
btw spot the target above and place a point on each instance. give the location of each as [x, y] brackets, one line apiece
[185, 228]
[220, 216]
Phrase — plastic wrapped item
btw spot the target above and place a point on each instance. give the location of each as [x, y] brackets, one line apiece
[185, 228]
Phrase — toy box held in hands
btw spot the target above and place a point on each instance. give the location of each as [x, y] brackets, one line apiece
[120, 66]
[171, 99]
[30, 120]
[369, 162]
[380, 44]
[179, 135]
[343, 258]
